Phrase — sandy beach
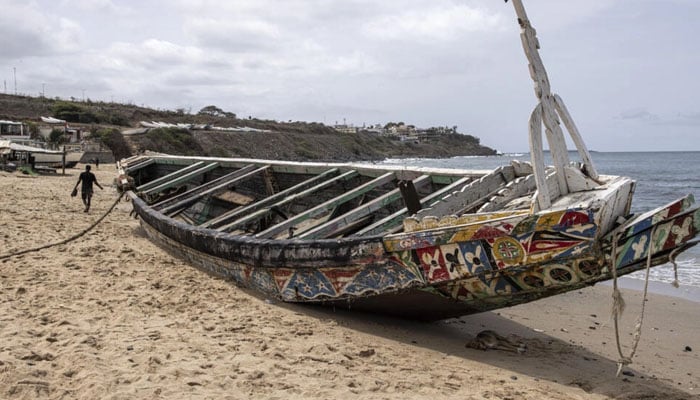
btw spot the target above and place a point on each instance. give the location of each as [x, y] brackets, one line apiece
[112, 316]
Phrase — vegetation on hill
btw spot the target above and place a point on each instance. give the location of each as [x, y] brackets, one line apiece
[278, 140]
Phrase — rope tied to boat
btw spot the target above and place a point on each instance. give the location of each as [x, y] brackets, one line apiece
[619, 303]
[68, 240]
[672, 260]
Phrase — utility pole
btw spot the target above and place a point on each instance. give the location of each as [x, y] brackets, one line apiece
[14, 73]
[43, 90]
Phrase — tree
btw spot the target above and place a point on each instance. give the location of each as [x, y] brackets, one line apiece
[57, 137]
[73, 113]
[215, 111]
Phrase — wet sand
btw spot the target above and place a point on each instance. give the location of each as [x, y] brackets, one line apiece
[112, 316]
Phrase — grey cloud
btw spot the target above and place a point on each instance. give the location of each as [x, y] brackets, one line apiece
[637, 114]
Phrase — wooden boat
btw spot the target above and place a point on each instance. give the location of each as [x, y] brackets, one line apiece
[414, 242]
[55, 159]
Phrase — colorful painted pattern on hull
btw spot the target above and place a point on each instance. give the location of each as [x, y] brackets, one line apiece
[357, 281]
[482, 273]
[664, 235]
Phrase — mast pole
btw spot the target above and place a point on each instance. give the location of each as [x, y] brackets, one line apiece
[550, 110]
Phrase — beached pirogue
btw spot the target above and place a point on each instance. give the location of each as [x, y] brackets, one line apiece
[420, 243]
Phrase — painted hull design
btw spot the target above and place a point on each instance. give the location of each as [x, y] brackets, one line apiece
[416, 265]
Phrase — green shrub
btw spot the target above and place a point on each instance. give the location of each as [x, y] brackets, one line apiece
[72, 112]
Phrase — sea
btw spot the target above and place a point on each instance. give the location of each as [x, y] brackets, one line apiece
[662, 177]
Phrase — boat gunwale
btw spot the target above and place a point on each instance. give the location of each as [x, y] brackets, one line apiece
[361, 167]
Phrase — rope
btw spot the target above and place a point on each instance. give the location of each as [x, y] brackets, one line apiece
[619, 305]
[70, 239]
[672, 260]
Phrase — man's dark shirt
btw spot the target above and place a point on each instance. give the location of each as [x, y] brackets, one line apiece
[87, 178]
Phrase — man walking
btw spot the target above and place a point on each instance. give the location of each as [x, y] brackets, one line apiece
[87, 178]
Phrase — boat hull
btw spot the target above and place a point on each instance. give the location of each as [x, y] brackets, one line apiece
[440, 273]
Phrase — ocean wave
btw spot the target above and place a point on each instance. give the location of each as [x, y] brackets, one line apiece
[688, 273]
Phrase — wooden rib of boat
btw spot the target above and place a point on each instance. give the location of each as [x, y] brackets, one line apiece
[415, 242]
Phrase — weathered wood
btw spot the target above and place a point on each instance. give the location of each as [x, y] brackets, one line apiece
[393, 222]
[577, 181]
[181, 179]
[555, 139]
[270, 183]
[198, 189]
[139, 165]
[212, 188]
[261, 212]
[513, 190]
[170, 176]
[457, 202]
[542, 199]
[410, 196]
[230, 215]
[235, 198]
[329, 228]
[327, 206]
[433, 221]
[576, 137]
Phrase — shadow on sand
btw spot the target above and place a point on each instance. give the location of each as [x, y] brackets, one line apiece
[547, 358]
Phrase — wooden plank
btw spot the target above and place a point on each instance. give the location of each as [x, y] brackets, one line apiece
[513, 190]
[212, 188]
[328, 228]
[261, 212]
[181, 179]
[434, 221]
[172, 175]
[235, 198]
[326, 207]
[576, 137]
[139, 165]
[270, 183]
[229, 216]
[393, 222]
[543, 200]
[410, 196]
[175, 199]
[457, 202]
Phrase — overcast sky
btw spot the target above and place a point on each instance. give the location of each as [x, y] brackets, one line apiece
[627, 70]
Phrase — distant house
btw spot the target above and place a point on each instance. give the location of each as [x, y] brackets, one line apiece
[12, 128]
[376, 129]
[345, 128]
[72, 134]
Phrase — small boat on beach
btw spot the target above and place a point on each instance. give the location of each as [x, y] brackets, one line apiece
[55, 159]
[423, 243]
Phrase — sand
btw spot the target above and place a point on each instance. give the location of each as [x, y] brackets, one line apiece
[112, 316]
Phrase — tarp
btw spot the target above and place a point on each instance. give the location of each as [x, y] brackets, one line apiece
[52, 120]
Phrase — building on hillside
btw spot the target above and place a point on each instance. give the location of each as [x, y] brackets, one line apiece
[377, 129]
[12, 128]
[71, 134]
[343, 128]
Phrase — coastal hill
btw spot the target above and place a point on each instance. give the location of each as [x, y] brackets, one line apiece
[267, 139]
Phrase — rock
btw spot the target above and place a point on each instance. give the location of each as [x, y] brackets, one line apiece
[366, 353]
[688, 349]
